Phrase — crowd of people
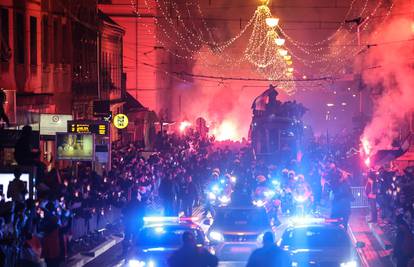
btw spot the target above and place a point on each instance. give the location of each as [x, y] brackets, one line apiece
[172, 179]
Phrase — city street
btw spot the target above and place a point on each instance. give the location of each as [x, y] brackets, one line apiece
[372, 254]
[257, 133]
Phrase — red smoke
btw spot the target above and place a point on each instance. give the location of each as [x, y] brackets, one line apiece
[388, 71]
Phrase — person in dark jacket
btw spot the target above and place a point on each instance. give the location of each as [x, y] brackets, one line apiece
[190, 255]
[133, 218]
[17, 189]
[167, 194]
[371, 193]
[269, 255]
[24, 154]
[404, 243]
[341, 203]
[188, 195]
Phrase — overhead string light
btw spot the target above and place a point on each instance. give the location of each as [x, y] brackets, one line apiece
[182, 50]
[196, 54]
[265, 47]
[341, 52]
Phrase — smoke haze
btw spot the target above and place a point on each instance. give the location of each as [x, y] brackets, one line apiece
[392, 75]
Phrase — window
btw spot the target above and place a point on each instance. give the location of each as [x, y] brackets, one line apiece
[20, 38]
[45, 40]
[4, 34]
[57, 48]
[33, 41]
[65, 41]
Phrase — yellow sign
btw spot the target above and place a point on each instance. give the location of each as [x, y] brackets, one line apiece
[121, 121]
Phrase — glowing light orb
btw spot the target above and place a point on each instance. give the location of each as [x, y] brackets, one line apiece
[184, 125]
[272, 22]
[227, 130]
[280, 41]
[287, 57]
[366, 151]
[282, 52]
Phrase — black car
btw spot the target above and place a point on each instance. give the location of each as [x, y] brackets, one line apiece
[237, 231]
[156, 241]
[322, 245]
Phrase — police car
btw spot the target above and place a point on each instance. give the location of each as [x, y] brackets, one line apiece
[236, 231]
[318, 242]
[159, 238]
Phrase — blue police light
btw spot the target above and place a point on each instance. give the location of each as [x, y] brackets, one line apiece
[349, 264]
[304, 220]
[216, 236]
[259, 203]
[212, 196]
[160, 219]
[301, 199]
[159, 230]
[224, 199]
[268, 193]
[275, 182]
[136, 263]
[216, 188]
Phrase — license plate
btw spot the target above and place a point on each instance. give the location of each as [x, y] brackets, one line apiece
[240, 249]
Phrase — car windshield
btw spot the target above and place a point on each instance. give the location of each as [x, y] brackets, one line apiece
[314, 238]
[242, 217]
[161, 236]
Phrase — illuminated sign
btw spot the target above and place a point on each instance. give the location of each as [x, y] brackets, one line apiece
[73, 146]
[87, 127]
[121, 121]
[50, 124]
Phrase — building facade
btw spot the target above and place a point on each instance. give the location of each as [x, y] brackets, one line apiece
[58, 56]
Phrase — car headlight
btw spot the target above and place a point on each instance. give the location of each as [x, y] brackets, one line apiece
[349, 264]
[260, 238]
[216, 236]
[212, 196]
[136, 263]
[224, 199]
[259, 203]
[269, 193]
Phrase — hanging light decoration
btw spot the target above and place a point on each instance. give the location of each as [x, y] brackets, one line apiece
[289, 62]
[280, 41]
[264, 48]
[290, 69]
[282, 52]
[287, 57]
[272, 22]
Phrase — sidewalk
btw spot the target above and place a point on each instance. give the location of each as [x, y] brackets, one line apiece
[81, 259]
[375, 253]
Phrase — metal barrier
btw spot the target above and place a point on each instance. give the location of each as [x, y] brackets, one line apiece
[360, 199]
[81, 226]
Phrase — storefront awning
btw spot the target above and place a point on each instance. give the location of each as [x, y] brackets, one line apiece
[133, 105]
